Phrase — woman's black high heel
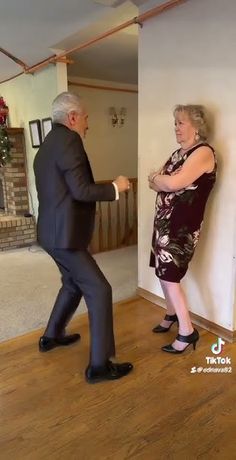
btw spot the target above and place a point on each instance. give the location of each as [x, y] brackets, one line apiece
[189, 339]
[160, 328]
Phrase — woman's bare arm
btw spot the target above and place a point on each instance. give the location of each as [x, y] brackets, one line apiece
[198, 163]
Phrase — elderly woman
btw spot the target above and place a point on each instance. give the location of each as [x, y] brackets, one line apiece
[183, 186]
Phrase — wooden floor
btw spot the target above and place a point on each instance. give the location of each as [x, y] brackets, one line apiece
[160, 411]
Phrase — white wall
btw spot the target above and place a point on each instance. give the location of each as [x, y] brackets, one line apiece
[187, 55]
[30, 97]
[112, 151]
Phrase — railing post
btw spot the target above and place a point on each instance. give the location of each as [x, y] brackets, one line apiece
[100, 228]
[125, 225]
[109, 226]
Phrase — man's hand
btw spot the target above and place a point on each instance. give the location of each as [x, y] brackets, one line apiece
[122, 183]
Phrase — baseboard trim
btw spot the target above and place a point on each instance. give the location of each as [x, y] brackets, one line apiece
[220, 331]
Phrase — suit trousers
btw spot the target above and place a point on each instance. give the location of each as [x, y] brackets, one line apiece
[81, 276]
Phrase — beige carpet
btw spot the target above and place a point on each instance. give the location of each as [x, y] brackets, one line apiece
[30, 280]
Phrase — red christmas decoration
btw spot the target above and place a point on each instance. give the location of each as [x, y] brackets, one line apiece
[3, 112]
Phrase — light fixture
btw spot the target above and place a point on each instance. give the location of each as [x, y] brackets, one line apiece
[123, 112]
[117, 116]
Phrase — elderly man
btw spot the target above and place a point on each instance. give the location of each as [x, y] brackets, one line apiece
[67, 197]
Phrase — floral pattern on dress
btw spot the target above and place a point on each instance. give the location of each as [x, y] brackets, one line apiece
[176, 246]
[168, 249]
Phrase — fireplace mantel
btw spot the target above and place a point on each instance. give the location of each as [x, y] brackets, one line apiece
[12, 131]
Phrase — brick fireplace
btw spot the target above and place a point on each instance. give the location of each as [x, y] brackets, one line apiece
[17, 226]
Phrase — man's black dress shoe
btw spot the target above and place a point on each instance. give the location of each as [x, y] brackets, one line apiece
[48, 343]
[112, 371]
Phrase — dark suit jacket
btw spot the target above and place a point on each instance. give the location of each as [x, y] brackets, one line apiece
[66, 190]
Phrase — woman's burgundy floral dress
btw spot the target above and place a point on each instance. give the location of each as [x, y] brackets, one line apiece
[178, 220]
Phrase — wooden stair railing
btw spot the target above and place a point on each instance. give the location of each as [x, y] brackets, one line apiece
[116, 221]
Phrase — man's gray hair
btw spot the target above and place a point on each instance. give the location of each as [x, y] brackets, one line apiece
[63, 104]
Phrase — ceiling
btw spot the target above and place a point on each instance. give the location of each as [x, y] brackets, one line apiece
[32, 30]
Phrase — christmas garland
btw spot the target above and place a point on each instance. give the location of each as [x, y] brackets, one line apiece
[5, 147]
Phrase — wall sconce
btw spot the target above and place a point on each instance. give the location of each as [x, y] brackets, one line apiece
[117, 116]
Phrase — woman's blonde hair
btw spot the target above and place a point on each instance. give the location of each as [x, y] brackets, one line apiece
[198, 117]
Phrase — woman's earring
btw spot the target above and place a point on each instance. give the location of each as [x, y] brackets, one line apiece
[197, 137]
